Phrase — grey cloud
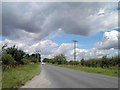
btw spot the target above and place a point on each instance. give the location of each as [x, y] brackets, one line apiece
[13, 17]
[44, 18]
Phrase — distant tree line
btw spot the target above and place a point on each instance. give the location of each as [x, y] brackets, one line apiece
[103, 62]
[12, 57]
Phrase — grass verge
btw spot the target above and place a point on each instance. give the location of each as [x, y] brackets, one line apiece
[15, 77]
[113, 71]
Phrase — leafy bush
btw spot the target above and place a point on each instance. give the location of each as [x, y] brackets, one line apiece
[25, 61]
[60, 59]
[46, 60]
[82, 62]
[103, 62]
[15, 53]
[34, 60]
[7, 59]
[73, 62]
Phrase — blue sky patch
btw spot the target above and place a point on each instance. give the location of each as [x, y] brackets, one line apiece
[116, 8]
[84, 42]
[2, 38]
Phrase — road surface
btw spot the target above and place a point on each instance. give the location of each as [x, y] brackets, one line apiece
[58, 77]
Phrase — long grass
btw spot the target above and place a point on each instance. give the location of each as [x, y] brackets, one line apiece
[15, 77]
[113, 71]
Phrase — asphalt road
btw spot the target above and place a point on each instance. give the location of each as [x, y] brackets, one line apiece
[58, 77]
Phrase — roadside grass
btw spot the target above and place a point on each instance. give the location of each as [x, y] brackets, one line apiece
[15, 77]
[113, 71]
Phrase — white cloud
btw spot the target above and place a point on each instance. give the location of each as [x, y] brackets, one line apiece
[110, 40]
[92, 53]
[49, 49]
[10, 43]
[63, 49]
[68, 51]
[44, 46]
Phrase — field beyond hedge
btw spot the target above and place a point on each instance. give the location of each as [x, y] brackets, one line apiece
[15, 77]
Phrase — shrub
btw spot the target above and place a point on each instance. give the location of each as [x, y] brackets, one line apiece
[60, 59]
[82, 62]
[25, 61]
[74, 62]
[15, 53]
[46, 60]
[103, 62]
[34, 60]
[7, 59]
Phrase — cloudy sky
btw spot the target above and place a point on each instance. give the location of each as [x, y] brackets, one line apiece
[50, 27]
